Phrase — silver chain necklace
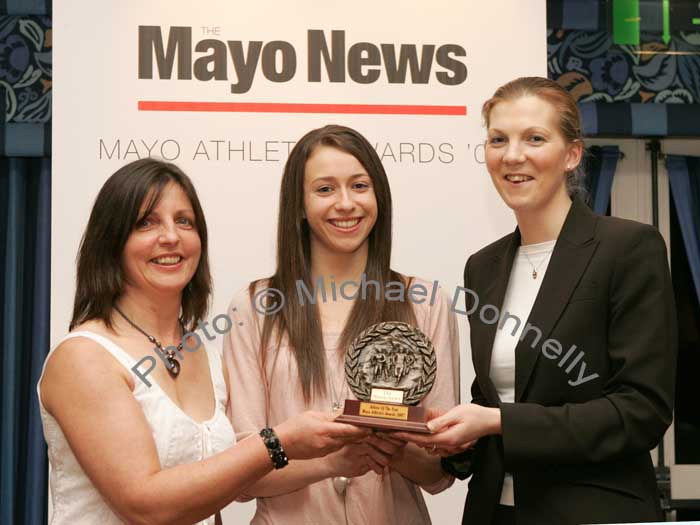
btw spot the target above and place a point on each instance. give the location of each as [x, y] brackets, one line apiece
[340, 483]
[335, 398]
[535, 268]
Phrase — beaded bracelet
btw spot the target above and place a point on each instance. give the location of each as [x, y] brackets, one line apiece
[274, 448]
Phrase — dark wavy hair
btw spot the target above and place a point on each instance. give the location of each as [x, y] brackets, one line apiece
[302, 322]
[100, 274]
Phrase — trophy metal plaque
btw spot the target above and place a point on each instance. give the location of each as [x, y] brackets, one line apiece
[389, 367]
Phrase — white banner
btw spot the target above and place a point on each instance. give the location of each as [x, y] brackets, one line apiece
[224, 90]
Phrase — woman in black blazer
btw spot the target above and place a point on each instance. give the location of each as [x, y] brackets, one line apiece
[563, 434]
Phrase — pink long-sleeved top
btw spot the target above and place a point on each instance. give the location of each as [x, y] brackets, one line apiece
[368, 499]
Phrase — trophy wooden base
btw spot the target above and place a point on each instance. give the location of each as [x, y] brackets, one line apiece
[384, 416]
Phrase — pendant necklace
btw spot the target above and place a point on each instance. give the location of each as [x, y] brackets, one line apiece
[340, 483]
[335, 399]
[534, 269]
[171, 363]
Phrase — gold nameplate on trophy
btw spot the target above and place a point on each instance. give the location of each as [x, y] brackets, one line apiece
[390, 367]
[385, 411]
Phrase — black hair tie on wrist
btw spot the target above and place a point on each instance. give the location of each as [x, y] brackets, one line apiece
[274, 448]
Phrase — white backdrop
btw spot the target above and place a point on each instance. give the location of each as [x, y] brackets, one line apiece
[445, 205]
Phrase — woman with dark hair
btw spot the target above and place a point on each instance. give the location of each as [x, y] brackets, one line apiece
[334, 226]
[162, 450]
[575, 370]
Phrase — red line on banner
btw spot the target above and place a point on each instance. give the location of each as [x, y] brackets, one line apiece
[276, 107]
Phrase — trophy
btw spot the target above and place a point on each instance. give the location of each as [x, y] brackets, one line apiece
[389, 367]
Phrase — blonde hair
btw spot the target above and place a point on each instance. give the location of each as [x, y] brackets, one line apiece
[563, 103]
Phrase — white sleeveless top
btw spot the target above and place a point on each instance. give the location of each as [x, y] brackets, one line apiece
[178, 438]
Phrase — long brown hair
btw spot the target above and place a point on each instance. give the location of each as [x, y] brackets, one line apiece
[563, 103]
[100, 273]
[300, 322]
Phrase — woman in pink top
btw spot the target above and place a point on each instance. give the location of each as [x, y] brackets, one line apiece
[286, 357]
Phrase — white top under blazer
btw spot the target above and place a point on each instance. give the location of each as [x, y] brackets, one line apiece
[179, 439]
[520, 298]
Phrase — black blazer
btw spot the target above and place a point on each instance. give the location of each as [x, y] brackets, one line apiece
[577, 445]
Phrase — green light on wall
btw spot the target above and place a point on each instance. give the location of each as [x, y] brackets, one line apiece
[667, 21]
[626, 22]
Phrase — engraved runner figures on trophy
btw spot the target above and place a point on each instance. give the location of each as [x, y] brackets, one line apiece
[389, 367]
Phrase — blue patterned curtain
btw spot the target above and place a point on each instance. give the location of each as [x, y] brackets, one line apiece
[684, 178]
[646, 88]
[600, 171]
[25, 275]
